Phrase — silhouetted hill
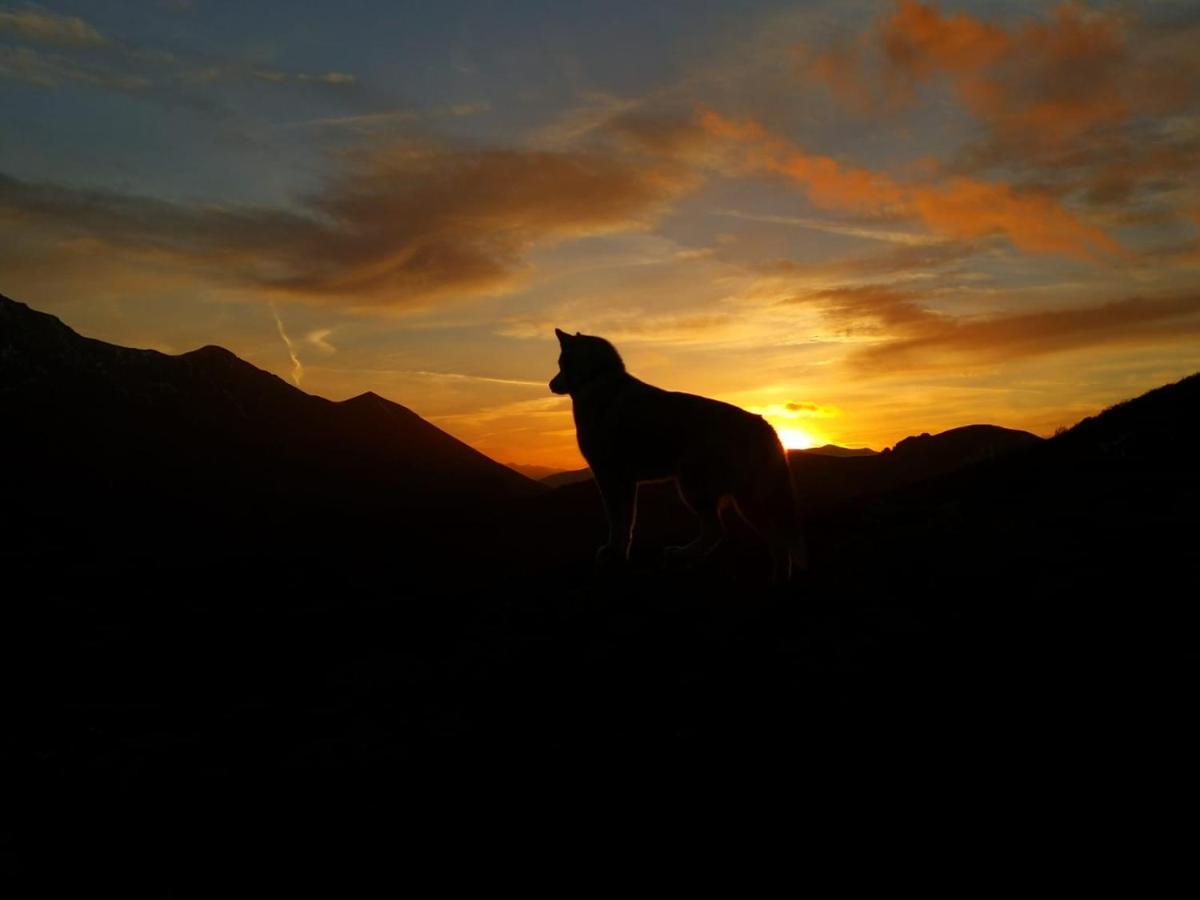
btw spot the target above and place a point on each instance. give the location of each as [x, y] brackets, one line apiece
[558, 523]
[572, 476]
[1109, 504]
[958, 446]
[1163, 424]
[537, 473]
[828, 479]
[141, 435]
[824, 481]
[835, 450]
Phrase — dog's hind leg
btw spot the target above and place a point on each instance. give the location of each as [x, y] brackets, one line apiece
[707, 509]
[773, 515]
[789, 555]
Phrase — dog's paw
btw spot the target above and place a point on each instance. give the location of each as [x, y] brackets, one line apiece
[609, 556]
[683, 555]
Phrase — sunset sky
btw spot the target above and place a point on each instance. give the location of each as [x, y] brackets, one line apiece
[864, 220]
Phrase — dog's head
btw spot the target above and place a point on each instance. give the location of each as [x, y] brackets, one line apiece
[583, 358]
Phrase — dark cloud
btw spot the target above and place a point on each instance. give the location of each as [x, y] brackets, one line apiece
[813, 410]
[873, 310]
[913, 336]
[400, 226]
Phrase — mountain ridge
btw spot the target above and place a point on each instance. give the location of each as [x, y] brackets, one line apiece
[209, 430]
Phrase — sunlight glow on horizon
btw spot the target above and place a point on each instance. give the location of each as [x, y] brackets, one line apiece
[794, 438]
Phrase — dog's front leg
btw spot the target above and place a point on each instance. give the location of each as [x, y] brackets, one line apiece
[620, 499]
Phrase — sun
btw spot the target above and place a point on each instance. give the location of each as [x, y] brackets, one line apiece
[795, 438]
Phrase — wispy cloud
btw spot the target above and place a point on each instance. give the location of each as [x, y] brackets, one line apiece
[319, 339]
[81, 54]
[890, 236]
[903, 262]
[370, 123]
[277, 77]
[328, 77]
[231, 70]
[51, 70]
[42, 26]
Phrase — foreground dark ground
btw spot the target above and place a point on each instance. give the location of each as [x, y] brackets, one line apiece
[943, 632]
[219, 635]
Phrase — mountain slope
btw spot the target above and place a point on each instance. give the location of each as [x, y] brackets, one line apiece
[572, 476]
[1163, 424]
[1104, 510]
[139, 432]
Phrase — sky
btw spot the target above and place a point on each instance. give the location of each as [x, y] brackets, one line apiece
[863, 220]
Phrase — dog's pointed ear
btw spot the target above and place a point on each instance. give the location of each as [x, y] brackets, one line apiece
[562, 336]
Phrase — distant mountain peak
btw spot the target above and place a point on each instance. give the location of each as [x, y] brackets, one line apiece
[536, 472]
[369, 400]
[835, 450]
[211, 351]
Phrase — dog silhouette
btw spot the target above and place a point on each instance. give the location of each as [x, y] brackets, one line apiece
[631, 432]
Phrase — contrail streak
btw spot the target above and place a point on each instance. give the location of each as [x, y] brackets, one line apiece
[459, 376]
[297, 366]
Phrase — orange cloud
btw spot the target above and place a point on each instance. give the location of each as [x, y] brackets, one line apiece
[960, 208]
[921, 40]
[1041, 83]
[1053, 79]
[968, 208]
